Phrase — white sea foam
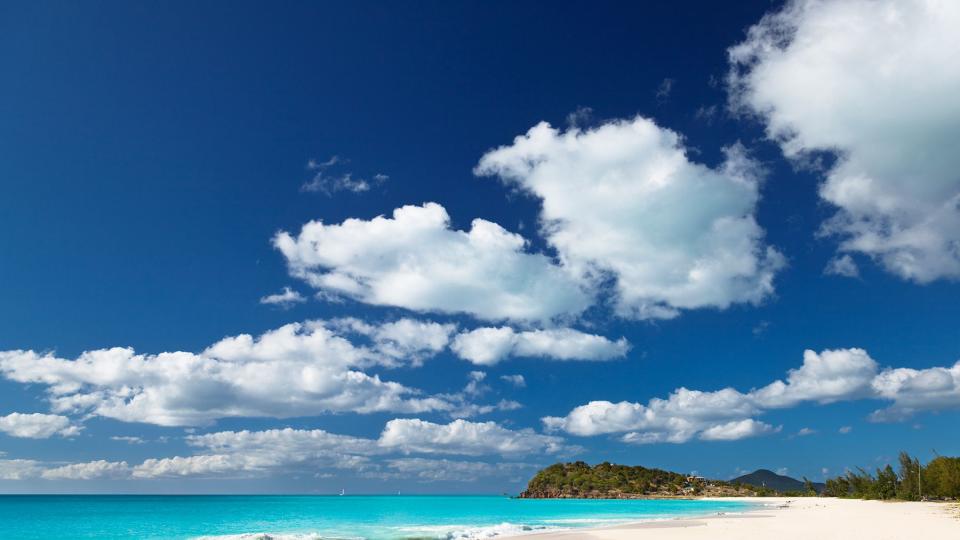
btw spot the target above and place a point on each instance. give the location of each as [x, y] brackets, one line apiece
[440, 532]
[590, 521]
[493, 531]
[463, 531]
[276, 536]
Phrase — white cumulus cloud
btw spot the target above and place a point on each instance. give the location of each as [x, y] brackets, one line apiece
[407, 340]
[624, 200]
[247, 454]
[737, 429]
[445, 470]
[914, 390]
[88, 471]
[202, 466]
[251, 453]
[299, 369]
[831, 375]
[875, 82]
[19, 469]
[414, 260]
[677, 419]
[728, 414]
[488, 346]
[463, 437]
[37, 425]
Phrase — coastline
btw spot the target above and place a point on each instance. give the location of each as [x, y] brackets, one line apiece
[788, 518]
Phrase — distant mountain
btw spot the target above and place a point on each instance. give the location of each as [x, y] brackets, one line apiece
[772, 480]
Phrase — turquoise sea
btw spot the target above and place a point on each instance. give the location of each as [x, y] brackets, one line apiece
[315, 517]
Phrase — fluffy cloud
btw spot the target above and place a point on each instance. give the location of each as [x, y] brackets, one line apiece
[465, 438]
[875, 82]
[291, 441]
[677, 419]
[88, 471]
[256, 453]
[173, 467]
[445, 470]
[414, 260]
[624, 200]
[488, 346]
[406, 340]
[913, 390]
[737, 429]
[19, 469]
[621, 201]
[831, 375]
[36, 425]
[203, 466]
[285, 299]
[727, 414]
[298, 369]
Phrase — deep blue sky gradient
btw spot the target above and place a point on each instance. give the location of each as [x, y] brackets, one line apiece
[149, 151]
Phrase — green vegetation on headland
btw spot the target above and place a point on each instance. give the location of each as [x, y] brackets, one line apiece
[939, 479]
[579, 480]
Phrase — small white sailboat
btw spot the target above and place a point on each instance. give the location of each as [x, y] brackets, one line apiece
[343, 492]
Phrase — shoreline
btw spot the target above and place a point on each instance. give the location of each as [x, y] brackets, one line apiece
[788, 518]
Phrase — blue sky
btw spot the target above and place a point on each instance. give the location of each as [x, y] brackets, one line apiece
[706, 204]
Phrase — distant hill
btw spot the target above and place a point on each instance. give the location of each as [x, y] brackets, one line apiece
[772, 480]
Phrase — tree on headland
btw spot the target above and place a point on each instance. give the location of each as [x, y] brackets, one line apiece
[886, 485]
[808, 488]
[939, 479]
[862, 484]
[579, 479]
[607, 480]
[837, 487]
[909, 481]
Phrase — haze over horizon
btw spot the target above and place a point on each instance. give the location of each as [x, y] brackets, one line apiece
[432, 248]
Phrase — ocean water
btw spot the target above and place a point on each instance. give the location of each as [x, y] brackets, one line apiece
[314, 517]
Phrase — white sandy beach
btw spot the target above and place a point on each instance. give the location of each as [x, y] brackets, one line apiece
[796, 519]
